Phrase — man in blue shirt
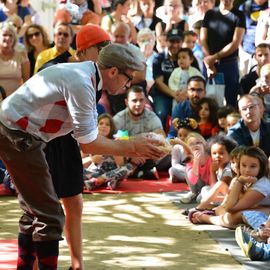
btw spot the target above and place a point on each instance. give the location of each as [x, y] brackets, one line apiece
[189, 108]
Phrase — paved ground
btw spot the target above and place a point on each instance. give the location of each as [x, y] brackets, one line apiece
[141, 231]
[224, 237]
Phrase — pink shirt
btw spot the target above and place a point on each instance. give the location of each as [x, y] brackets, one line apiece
[204, 172]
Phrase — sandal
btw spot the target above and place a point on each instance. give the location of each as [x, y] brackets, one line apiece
[191, 216]
[186, 211]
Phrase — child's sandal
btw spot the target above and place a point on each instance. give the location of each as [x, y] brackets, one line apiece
[191, 216]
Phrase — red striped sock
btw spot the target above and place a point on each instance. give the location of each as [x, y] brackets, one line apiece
[47, 253]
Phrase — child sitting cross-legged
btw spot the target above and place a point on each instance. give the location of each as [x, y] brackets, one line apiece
[250, 189]
[220, 148]
[106, 170]
[198, 168]
[179, 156]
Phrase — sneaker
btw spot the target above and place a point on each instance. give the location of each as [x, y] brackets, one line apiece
[151, 174]
[113, 184]
[119, 173]
[259, 251]
[189, 198]
[90, 185]
[243, 240]
[256, 251]
[259, 236]
[86, 174]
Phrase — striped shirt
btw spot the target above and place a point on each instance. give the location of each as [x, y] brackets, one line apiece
[56, 101]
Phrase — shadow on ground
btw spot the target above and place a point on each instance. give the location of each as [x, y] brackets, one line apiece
[224, 237]
[134, 231]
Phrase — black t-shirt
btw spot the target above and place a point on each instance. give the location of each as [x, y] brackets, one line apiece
[163, 66]
[180, 26]
[220, 28]
[247, 82]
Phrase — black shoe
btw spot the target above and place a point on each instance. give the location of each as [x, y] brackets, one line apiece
[151, 174]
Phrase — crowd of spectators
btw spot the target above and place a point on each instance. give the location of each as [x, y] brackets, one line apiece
[183, 46]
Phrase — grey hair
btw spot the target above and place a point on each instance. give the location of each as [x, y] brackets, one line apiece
[146, 31]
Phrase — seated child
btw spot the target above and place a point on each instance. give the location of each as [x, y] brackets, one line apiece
[232, 119]
[106, 170]
[250, 189]
[177, 170]
[222, 118]
[220, 148]
[198, 169]
[208, 124]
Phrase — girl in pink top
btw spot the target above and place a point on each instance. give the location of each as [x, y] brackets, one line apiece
[198, 169]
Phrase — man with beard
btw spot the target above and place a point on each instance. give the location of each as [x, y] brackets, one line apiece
[136, 119]
[189, 107]
[251, 129]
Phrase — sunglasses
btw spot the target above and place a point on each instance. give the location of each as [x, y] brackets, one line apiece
[36, 34]
[65, 35]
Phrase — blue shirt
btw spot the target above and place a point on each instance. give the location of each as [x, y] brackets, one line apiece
[22, 12]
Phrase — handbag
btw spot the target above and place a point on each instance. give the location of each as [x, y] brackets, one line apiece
[215, 89]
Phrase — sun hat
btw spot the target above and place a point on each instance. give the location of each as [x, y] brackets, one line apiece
[120, 56]
[90, 35]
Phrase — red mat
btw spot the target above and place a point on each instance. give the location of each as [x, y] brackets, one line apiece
[5, 192]
[8, 254]
[144, 186]
[131, 186]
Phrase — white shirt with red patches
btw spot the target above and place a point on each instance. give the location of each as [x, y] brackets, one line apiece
[54, 102]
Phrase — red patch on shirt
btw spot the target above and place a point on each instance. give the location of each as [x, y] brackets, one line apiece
[52, 126]
[23, 122]
[61, 103]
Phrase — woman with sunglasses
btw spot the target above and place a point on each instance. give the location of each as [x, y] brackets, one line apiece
[36, 40]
